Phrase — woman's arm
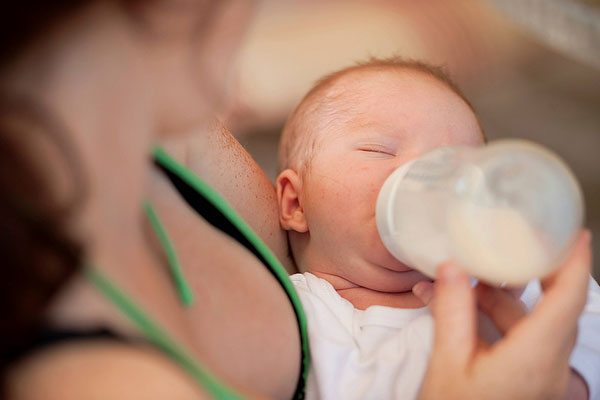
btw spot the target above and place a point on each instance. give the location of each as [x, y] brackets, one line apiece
[100, 370]
[220, 160]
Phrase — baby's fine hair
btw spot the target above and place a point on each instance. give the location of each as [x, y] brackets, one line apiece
[299, 136]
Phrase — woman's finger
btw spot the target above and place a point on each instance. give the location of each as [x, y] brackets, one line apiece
[454, 311]
[500, 306]
[578, 257]
[565, 293]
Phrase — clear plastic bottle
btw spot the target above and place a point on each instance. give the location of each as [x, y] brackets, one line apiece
[506, 212]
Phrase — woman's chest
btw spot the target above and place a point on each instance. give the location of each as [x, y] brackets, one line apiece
[243, 324]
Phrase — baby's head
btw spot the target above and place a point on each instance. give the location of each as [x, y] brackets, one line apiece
[352, 130]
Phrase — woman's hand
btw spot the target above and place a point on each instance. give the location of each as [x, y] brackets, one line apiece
[531, 360]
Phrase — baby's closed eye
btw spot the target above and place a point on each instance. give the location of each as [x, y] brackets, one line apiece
[377, 149]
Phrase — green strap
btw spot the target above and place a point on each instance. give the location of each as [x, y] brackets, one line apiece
[274, 265]
[183, 288]
[159, 337]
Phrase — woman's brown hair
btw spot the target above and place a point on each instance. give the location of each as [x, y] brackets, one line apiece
[38, 252]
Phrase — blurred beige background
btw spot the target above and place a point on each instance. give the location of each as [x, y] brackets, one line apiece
[530, 67]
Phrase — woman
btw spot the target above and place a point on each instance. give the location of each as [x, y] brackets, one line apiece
[93, 290]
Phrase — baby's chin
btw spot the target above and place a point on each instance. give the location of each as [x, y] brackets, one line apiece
[395, 281]
[398, 267]
[393, 264]
[379, 255]
[394, 276]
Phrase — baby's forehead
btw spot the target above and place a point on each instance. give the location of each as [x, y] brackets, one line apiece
[352, 86]
[375, 96]
[347, 88]
[347, 94]
[388, 99]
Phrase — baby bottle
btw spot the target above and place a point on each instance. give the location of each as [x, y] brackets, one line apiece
[506, 212]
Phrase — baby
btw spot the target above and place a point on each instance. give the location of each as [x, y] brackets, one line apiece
[370, 335]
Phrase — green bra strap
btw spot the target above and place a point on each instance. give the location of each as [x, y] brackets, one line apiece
[159, 337]
[278, 270]
[183, 288]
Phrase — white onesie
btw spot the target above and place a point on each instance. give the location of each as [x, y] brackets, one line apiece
[382, 352]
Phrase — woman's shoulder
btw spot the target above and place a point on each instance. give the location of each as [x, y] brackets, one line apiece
[99, 369]
[214, 154]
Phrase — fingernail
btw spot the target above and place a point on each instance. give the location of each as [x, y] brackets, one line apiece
[418, 290]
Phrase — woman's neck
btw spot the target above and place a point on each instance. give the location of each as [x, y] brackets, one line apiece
[85, 75]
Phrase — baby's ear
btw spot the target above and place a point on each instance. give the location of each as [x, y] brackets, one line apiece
[291, 213]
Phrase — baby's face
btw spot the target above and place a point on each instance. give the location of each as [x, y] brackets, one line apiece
[394, 118]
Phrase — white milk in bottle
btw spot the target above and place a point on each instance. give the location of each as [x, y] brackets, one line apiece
[506, 212]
